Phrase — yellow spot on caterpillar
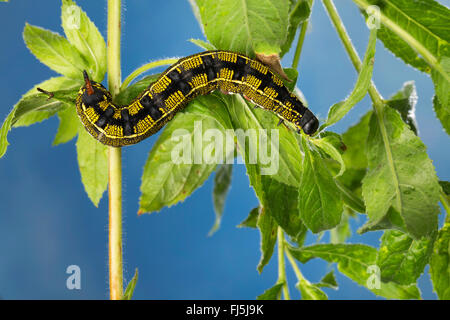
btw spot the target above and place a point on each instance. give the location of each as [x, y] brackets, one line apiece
[199, 80]
[277, 80]
[114, 131]
[228, 56]
[270, 92]
[253, 81]
[92, 115]
[259, 66]
[134, 108]
[161, 84]
[192, 63]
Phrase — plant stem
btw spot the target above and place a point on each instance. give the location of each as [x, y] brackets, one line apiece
[294, 265]
[144, 68]
[351, 51]
[298, 49]
[114, 159]
[281, 264]
[377, 100]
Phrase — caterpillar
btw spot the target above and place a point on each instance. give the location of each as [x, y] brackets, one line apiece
[194, 75]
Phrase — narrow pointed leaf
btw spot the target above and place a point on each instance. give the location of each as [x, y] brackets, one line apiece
[273, 293]
[415, 31]
[319, 199]
[251, 220]
[268, 230]
[354, 260]
[93, 165]
[400, 189]
[84, 35]
[55, 51]
[310, 291]
[222, 183]
[128, 294]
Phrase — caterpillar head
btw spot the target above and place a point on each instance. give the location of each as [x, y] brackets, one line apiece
[93, 92]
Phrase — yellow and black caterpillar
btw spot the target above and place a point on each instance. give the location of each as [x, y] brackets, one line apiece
[195, 75]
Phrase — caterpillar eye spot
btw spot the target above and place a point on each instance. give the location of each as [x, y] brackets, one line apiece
[201, 73]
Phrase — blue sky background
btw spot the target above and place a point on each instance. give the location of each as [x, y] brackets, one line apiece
[48, 223]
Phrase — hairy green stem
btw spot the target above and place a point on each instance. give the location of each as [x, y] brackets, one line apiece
[374, 94]
[298, 49]
[114, 159]
[144, 68]
[351, 51]
[281, 264]
[294, 265]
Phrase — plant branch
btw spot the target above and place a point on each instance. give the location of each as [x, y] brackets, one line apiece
[114, 159]
[294, 265]
[377, 100]
[281, 264]
[144, 68]
[298, 49]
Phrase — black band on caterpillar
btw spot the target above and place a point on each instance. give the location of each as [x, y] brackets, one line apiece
[195, 75]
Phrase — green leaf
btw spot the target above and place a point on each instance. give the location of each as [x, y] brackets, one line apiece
[415, 31]
[299, 12]
[268, 229]
[93, 164]
[355, 160]
[354, 261]
[272, 159]
[222, 183]
[68, 126]
[292, 74]
[55, 52]
[355, 139]
[203, 44]
[251, 220]
[84, 35]
[441, 101]
[440, 263]
[280, 152]
[245, 26]
[328, 281]
[130, 287]
[442, 113]
[53, 85]
[445, 187]
[405, 102]
[340, 109]
[132, 91]
[319, 199]
[400, 189]
[273, 293]
[310, 291]
[28, 108]
[177, 162]
[331, 150]
[402, 259]
[342, 231]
